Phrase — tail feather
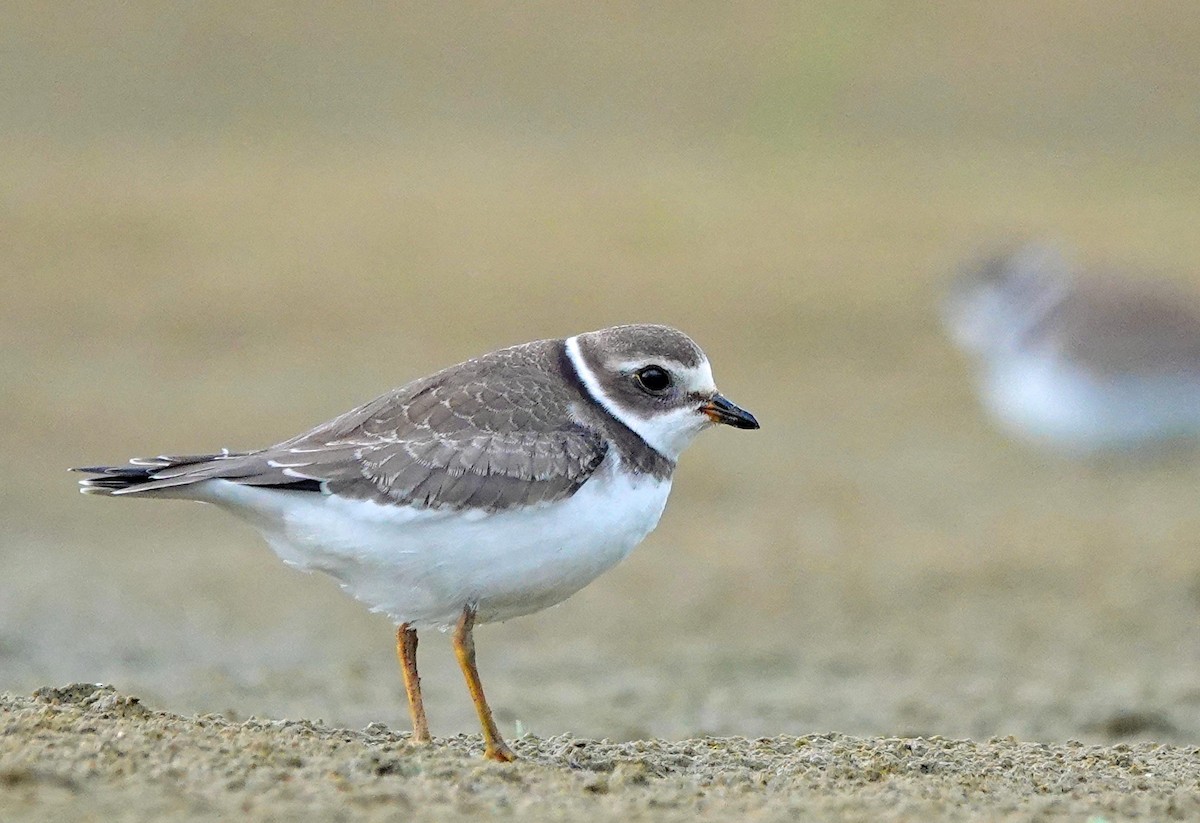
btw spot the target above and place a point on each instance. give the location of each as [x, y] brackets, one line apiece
[145, 474]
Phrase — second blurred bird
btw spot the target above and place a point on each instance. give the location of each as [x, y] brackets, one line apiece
[1078, 360]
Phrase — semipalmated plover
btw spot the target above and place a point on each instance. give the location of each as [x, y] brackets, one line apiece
[488, 490]
[1084, 361]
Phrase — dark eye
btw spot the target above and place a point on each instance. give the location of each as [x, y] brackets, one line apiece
[654, 379]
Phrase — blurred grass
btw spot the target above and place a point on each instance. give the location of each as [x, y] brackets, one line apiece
[225, 223]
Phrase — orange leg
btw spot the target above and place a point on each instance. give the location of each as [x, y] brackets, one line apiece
[406, 651]
[464, 650]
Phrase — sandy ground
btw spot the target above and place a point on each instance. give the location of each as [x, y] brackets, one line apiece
[226, 224]
[88, 753]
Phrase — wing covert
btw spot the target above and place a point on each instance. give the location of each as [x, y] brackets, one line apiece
[492, 433]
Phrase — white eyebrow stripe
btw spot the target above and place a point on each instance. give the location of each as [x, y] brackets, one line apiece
[700, 377]
[695, 378]
[666, 362]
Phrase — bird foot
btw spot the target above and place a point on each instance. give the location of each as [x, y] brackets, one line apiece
[499, 752]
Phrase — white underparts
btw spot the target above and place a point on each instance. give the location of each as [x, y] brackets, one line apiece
[421, 566]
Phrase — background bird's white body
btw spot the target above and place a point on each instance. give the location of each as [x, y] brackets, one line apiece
[1078, 362]
[419, 565]
[1041, 397]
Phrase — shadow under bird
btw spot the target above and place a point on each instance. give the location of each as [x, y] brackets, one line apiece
[1084, 362]
[486, 491]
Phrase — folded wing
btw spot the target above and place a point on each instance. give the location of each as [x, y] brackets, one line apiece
[453, 440]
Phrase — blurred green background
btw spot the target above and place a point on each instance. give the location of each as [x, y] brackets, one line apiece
[225, 222]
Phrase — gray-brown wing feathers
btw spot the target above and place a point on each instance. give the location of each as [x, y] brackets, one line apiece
[1120, 326]
[483, 471]
[461, 438]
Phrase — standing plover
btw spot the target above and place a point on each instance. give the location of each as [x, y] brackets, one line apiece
[488, 490]
[1083, 361]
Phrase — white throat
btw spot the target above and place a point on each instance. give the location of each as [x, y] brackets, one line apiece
[668, 434]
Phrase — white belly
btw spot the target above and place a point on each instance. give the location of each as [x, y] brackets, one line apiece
[1045, 399]
[422, 567]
